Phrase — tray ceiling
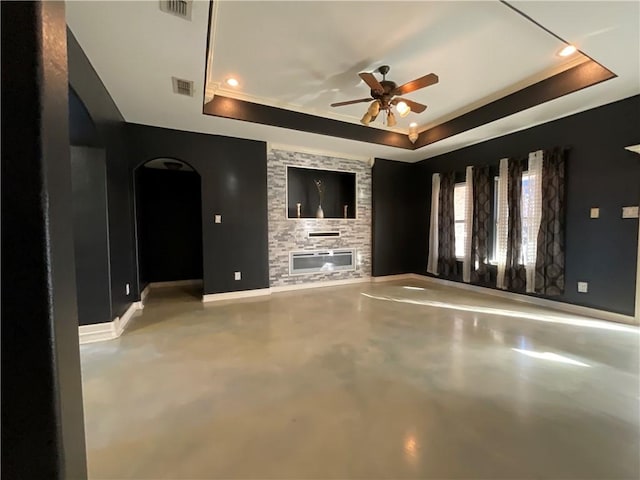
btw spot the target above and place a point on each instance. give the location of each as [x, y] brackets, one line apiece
[478, 49]
[302, 56]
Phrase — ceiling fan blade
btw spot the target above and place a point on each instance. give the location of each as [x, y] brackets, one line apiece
[415, 106]
[372, 81]
[350, 102]
[416, 84]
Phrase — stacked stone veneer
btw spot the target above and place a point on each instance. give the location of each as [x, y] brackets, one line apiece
[286, 235]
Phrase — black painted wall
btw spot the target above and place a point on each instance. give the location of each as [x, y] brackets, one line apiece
[42, 411]
[109, 124]
[394, 223]
[600, 173]
[168, 207]
[82, 130]
[90, 234]
[234, 184]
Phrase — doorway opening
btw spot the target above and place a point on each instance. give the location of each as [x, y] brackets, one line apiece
[169, 224]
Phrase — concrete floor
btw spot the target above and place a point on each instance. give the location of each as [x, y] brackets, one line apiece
[366, 381]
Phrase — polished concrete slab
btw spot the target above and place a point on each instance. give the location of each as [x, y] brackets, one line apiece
[365, 381]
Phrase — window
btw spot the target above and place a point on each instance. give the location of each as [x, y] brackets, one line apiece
[459, 212]
[526, 210]
[528, 240]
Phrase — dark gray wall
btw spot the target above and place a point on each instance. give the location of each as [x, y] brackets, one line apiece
[234, 184]
[600, 173]
[109, 124]
[82, 130]
[90, 234]
[394, 221]
[169, 211]
[42, 412]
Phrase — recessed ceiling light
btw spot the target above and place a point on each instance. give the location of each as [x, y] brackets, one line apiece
[413, 124]
[232, 82]
[568, 50]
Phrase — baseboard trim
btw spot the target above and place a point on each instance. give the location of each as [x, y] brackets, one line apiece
[217, 297]
[327, 283]
[99, 332]
[390, 278]
[541, 302]
[175, 283]
[145, 293]
[123, 321]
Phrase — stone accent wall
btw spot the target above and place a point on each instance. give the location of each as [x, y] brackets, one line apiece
[286, 235]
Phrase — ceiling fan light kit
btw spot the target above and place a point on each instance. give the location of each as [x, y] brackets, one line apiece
[413, 133]
[391, 119]
[372, 113]
[403, 109]
[385, 95]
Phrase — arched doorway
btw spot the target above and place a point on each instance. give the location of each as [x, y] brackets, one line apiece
[169, 222]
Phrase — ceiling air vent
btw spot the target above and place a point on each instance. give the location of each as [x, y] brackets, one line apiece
[179, 8]
[182, 87]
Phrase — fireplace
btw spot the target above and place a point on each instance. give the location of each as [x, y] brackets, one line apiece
[322, 261]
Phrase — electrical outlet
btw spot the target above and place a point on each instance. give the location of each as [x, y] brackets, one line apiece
[217, 218]
[583, 287]
[237, 275]
[595, 213]
[127, 288]
[629, 212]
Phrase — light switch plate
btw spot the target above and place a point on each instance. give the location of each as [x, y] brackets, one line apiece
[595, 212]
[583, 287]
[217, 219]
[630, 212]
[237, 275]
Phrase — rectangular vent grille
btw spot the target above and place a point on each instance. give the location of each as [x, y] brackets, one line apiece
[182, 87]
[322, 261]
[179, 8]
[333, 233]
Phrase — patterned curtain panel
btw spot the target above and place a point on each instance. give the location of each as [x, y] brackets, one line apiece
[480, 229]
[447, 264]
[515, 276]
[551, 236]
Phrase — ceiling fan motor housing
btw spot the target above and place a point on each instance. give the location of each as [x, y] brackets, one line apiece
[386, 96]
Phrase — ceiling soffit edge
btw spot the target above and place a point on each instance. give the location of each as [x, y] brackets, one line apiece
[576, 78]
[534, 90]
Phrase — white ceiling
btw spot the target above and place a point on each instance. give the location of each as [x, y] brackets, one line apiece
[306, 66]
[305, 55]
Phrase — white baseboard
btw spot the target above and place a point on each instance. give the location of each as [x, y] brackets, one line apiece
[327, 283]
[100, 332]
[217, 297]
[122, 322]
[389, 278]
[97, 332]
[145, 293]
[542, 302]
[175, 283]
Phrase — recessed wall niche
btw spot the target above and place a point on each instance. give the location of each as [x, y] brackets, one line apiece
[315, 193]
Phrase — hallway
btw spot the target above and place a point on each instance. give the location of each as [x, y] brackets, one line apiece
[364, 381]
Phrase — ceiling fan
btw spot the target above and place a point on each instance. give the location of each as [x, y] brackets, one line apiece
[384, 94]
